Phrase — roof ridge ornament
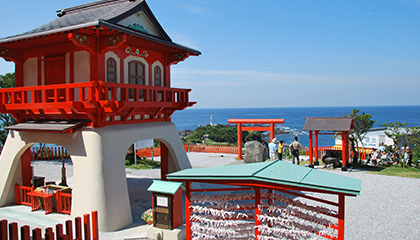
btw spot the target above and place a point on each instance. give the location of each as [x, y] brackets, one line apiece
[61, 12]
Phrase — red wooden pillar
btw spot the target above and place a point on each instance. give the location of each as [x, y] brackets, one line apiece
[188, 210]
[341, 214]
[239, 140]
[78, 227]
[316, 145]
[164, 158]
[272, 133]
[3, 229]
[95, 227]
[344, 144]
[36, 234]
[86, 226]
[311, 152]
[13, 231]
[257, 211]
[26, 168]
[69, 229]
[25, 232]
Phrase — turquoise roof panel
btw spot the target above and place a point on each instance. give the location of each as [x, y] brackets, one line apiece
[233, 171]
[284, 171]
[332, 181]
[164, 187]
[278, 172]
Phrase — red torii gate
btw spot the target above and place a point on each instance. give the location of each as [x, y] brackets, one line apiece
[333, 124]
[254, 121]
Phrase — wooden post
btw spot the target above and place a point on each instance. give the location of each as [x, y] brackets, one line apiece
[316, 145]
[3, 230]
[164, 158]
[17, 194]
[26, 168]
[257, 211]
[272, 132]
[25, 232]
[188, 210]
[95, 229]
[344, 150]
[36, 234]
[341, 214]
[311, 152]
[69, 229]
[49, 234]
[86, 224]
[78, 227]
[13, 231]
[239, 141]
[59, 231]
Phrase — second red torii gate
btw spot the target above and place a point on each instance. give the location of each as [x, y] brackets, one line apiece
[254, 121]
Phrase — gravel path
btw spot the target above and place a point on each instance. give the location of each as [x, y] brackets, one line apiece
[387, 208]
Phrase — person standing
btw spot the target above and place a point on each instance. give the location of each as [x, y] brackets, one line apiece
[272, 147]
[295, 147]
[280, 149]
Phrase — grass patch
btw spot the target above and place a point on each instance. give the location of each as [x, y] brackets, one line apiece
[397, 171]
[391, 170]
[144, 163]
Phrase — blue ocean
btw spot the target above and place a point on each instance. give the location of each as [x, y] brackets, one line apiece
[191, 118]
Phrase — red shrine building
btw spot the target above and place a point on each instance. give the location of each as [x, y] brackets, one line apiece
[94, 80]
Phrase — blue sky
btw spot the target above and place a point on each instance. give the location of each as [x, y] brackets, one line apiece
[277, 53]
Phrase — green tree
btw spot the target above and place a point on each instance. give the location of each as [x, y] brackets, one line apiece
[6, 81]
[361, 125]
[220, 133]
[404, 136]
[253, 136]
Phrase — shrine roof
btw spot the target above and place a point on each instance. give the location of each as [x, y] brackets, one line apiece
[164, 187]
[110, 14]
[272, 173]
[328, 123]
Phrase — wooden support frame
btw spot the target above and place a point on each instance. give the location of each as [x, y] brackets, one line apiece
[339, 204]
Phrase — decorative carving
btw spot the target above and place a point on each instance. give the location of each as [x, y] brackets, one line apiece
[137, 52]
[179, 57]
[82, 39]
[85, 41]
[10, 55]
[175, 58]
[138, 27]
[4, 52]
[113, 40]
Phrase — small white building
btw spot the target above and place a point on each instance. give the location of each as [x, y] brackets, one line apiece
[372, 139]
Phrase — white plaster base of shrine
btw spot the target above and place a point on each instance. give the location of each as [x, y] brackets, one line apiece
[178, 233]
[99, 178]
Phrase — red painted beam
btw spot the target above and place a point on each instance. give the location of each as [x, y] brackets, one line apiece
[256, 121]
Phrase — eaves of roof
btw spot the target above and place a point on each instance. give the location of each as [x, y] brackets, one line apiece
[100, 23]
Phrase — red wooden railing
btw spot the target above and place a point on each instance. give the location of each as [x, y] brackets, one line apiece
[147, 152]
[21, 195]
[100, 103]
[63, 202]
[363, 154]
[48, 153]
[90, 230]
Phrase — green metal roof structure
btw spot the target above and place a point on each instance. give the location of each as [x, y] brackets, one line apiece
[164, 187]
[272, 174]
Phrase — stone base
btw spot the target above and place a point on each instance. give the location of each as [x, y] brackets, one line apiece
[155, 233]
